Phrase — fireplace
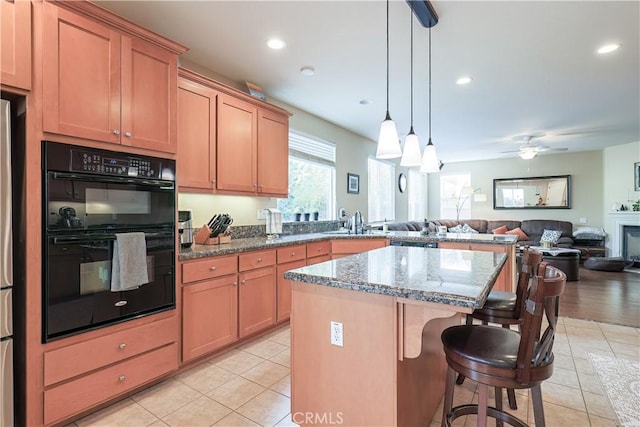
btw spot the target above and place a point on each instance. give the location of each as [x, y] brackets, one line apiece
[631, 243]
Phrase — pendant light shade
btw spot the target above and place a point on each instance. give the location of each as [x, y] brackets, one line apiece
[411, 152]
[388, 141]
[430, 162]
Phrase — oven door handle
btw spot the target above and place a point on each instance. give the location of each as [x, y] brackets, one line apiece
[165, 185]
[60, 240]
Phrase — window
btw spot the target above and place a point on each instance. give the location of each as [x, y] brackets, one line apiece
[416, 198]
[454, 202]
[382, 197]
[312, 177]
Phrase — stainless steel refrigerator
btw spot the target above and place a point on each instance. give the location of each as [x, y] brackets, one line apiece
[6, 270]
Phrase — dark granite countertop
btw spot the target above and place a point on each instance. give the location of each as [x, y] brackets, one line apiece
[446, 276]
[257, 243]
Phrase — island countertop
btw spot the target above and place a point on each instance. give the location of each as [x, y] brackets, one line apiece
[454, 277]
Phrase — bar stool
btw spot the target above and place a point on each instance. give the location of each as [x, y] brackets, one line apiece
[505, 308]
[502, 358]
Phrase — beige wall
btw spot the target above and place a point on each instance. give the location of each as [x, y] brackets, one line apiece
[618, 175]
[586, 173]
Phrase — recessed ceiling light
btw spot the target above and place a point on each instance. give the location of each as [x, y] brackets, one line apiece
[608, 48]
[365, 102]
[307, 71]
[276, 44]
[463, 80]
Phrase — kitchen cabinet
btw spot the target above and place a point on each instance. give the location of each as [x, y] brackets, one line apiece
[273, 154]
[507, 279]
[210, 316]
[237, 144]
[86, 373]
[15, 44]
[103, 84]
[344, 247]
[318, 252]
[196, 135]
[256, 291]
[289, 258]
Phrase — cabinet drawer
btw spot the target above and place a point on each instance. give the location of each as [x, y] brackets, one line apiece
[75, 396]
[209, 268]
[318, 249]
[291, 253]
[319, 259]
[257, 259]
[76, 359]
[345, 246]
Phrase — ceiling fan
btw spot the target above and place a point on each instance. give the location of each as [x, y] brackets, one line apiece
[529, 150]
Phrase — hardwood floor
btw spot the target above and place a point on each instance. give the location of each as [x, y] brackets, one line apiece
[603, 297]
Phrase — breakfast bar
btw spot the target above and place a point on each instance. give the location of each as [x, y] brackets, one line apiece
[365, 332]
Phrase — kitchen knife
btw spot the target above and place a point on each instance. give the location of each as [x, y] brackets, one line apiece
[211, 221]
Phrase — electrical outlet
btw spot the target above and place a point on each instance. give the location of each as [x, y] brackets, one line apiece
[336, 334]
[583, 220]
[262, 214]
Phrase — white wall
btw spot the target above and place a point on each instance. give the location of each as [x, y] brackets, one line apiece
[586, 173]
[618, 175]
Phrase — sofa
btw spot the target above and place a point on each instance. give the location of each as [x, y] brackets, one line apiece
[532, 228]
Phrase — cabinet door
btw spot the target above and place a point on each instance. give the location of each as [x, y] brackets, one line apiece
[196, 135]
[284, 289]
[355, 246]
[15, 43]
[149, 91]
[257, 300]
[81, 76]
[454, 245]
[209, 316]
[236, 166]
[273, 154]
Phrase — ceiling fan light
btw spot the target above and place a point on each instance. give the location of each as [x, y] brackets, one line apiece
[411, 156]
[527, 154]
[430, 162]
[388, 141]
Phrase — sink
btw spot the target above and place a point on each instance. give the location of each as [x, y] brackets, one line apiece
[336, 232]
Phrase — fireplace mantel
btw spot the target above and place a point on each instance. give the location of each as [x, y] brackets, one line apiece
[616, 221]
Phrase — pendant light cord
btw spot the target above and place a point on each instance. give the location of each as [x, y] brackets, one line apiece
[411, 15]
[387, 57]
[429, 84]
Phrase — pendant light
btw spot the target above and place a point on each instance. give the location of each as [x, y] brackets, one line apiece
[388, 142]
[411, 153]
[430, 163]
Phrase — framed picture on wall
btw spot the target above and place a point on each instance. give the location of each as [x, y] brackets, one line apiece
[353, 183]
[636, 176]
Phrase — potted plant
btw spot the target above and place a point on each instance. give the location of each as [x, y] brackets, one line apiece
[316, 214]
[297, 214]
[307, 215]
[636, 205]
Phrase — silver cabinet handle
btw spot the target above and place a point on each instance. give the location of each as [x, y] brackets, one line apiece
[127, 134]
[293, 254]
[242, 282]
[235, 283]
[116, 132]
[213, 181]
[212, 268]
[122, 346]
[122, 378]
[259, 259]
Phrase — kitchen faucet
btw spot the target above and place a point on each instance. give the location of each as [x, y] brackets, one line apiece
[357, 222]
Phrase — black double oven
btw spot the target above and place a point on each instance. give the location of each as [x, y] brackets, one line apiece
[89, 196]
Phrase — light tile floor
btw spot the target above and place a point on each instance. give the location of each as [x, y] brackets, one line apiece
[250, 386]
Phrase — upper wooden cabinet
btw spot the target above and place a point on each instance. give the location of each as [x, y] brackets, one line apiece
[105, 84]
[15, 43]
[273, 154]
[196, 135]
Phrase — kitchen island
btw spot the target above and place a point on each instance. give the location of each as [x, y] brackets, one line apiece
[389, 306]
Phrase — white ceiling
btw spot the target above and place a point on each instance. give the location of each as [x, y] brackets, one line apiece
[533, 64]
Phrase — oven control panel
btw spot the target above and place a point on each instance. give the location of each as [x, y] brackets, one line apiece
[116, 164]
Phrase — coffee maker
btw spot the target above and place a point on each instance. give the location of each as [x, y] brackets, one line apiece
[185, 228]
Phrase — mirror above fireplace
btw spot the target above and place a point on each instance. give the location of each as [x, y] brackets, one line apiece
[540, 192]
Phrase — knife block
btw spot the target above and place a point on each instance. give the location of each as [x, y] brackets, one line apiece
[202, 238]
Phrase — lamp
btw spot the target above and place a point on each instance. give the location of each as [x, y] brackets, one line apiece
[465, 193]
[411, 153]
[430, 163]
[527, 154]
[388, 142]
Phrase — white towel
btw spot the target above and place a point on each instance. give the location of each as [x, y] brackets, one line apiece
[274, 221]
[129, 264]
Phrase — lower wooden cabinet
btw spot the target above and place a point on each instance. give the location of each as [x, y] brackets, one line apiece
[209, 316]
[257, 300]
[343, 247]
[284, 289]
[73, 397]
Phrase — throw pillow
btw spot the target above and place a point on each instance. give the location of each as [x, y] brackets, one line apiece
[468, 229]
[500, 230]
[550, 236]
[456, 229]
[522, 236]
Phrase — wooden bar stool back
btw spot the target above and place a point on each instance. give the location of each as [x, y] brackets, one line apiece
[503, 358]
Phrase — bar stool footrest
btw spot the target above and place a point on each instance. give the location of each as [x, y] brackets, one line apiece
[469, 409]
